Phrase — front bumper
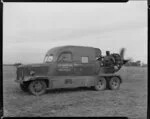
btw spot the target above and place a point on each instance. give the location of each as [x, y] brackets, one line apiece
[19, 81]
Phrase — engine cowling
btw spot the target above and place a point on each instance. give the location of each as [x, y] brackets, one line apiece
[112, 63]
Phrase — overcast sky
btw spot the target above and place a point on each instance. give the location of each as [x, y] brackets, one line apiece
[30, 29]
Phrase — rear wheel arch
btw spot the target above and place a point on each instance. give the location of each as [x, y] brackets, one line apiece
[109, 77]
[119, 78]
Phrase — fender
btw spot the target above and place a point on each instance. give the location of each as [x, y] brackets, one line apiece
[30, 78]
[111, 75]
[120, 77]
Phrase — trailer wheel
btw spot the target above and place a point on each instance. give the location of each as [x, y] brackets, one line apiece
[24, 87]
[37, 87]
[114, 83]
[101, 84]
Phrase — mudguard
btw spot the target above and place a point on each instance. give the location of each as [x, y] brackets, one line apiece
[111, 75]
[30, 78]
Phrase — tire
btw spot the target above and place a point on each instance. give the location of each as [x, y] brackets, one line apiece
[114, 83]
[101, 84]
[37, 87]
[24, 87]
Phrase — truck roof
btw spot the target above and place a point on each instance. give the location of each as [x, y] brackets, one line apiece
[55, 49]
[80, 50]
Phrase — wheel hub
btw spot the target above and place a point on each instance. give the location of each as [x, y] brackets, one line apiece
[37, 87]
[100, 84]
[115, 83]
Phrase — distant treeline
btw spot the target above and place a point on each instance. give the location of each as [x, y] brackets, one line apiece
[15, 64]
[137, 63]
[8, 64]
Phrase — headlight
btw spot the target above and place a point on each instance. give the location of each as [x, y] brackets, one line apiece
[32, 73]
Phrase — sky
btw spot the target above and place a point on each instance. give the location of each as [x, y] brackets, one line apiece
[31, 29]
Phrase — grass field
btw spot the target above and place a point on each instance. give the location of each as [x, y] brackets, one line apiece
[130, 100]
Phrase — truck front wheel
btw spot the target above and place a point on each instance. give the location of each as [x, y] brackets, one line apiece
[37, 87]
[114, 83]
[101, 84]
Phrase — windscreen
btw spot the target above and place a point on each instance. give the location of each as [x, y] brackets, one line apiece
[48, 58]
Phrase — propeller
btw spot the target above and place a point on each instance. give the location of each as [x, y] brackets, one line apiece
[122, 52]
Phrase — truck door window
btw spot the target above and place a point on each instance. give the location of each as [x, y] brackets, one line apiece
[84, 59]
[65, 57]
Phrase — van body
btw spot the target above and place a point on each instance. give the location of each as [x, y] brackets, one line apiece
[65, 67]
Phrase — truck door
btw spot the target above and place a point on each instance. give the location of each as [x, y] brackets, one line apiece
[64, 64]
[64, 70]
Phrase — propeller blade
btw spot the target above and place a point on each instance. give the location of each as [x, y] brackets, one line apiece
[122, 52]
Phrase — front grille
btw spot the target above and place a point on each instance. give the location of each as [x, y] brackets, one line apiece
[20, 73]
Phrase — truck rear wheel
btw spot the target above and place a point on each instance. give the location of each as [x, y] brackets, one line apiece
[37, 87]
[24, 87]
[101, 84]
[114, 83]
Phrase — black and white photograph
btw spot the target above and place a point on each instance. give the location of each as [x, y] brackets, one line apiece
[75, 59]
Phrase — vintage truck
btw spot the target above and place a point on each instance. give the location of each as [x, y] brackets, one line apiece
[70, 67]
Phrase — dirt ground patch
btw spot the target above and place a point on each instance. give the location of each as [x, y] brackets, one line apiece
[130, 100]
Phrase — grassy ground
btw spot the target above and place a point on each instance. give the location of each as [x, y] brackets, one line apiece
[130, 100]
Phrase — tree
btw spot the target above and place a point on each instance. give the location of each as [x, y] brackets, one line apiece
[17, 64]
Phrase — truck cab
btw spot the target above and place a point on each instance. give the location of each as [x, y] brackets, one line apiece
[67, 67]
